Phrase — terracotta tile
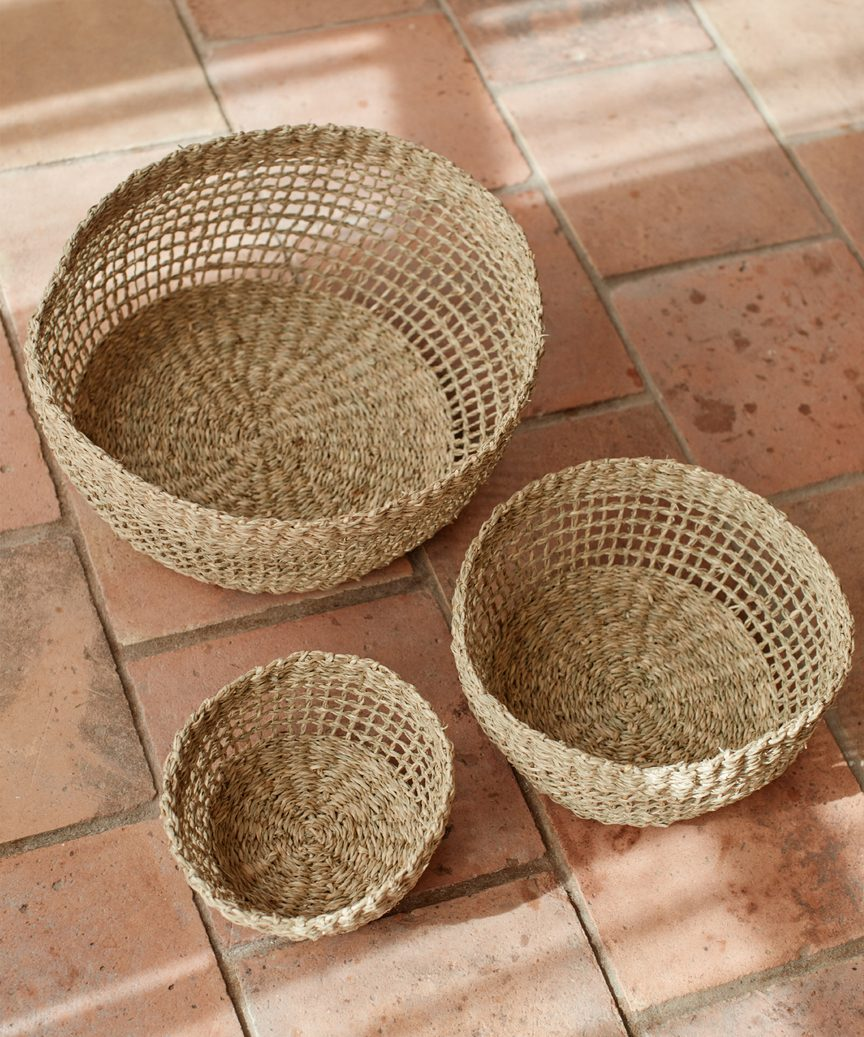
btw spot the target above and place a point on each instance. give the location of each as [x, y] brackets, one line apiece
[26, 490]
[835, 164]
[504, 963]
[409, 76]
[490, 826]
[584, 360]
[803, 59]
[759, 360]
[526, 40]
[69, 749]
[96, 76]
[835, 523]
[40, 209]
[830, 1001]
[772, 878]
[536, 450]
[144, 599]
[102, 938]
[228, 20]
[657, 163]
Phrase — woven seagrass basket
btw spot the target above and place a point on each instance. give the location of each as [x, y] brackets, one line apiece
[646, 641]
[278, 360]
[307, 796]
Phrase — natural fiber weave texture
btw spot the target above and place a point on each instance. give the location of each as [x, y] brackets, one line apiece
[278, 360]
[646, 641]
[307, 797]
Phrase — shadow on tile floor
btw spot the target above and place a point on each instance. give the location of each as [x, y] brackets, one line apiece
[762, 882]
[485, 964]
[121, 998]
[94, 76]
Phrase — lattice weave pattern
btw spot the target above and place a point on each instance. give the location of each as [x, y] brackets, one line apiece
[278, 360]
[647, 641]
[307, 797]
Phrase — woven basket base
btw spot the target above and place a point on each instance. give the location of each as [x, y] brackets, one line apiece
[259, 399]
[300, 827]
[634, 666]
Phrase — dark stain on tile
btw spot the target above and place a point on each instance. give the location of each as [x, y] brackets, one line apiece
[818, 264]
[697, 297]
[714, 415]
[625, 837]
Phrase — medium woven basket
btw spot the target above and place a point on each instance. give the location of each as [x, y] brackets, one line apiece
[646, 641]
[278, 360]
[307, 797]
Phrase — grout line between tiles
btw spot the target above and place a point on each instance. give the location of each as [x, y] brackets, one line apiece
[115, 648]
[8, 326]
[147, 811]
[754, 982]
[191, 33]
[795, 140]
[597, 282]
[564, 873]
[269, 617]
[817, 489]
[348, 23]
[762, 108]
[706, 54]
[530, 183]
[73, 160]
[617, 403]
[699, 262]
[233, 986]
[431, 581]
[846, 744]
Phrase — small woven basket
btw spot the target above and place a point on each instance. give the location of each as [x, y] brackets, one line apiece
[646, 641]
[307, 797]
[278, 360]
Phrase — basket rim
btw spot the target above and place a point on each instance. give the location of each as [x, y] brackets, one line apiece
[44, 395]
[381, 894]
[475, 690]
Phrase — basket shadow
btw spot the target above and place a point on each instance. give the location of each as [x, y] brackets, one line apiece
[504, 961]
[515, 986]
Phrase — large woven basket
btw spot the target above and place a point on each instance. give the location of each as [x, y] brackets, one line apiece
[278, 360]
[646, 641]
[307, 797]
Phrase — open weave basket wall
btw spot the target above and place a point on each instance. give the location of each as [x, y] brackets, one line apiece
[278, 360]
[307, 797]
[646, 641]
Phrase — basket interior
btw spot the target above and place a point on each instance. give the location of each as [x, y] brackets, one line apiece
[652, 617]
[296, 324]
[307, 788]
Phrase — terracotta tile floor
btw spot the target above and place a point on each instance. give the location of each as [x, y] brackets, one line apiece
[688, 175]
